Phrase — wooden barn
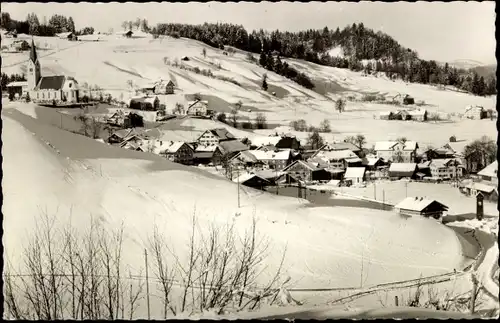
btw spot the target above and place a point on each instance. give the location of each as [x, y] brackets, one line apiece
[413, 206]
[252, 180]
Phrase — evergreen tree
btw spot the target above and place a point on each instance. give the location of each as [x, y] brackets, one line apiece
[264, 83]
[263, 59]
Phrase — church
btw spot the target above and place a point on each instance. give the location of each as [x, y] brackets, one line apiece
[46, 89]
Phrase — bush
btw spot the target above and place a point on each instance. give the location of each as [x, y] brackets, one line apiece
[325, 126]
[260, 121]
[222, 117]
[11, 96]
[299, 125]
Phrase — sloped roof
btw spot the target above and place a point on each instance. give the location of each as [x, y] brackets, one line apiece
[64, 35]
[222, 133]
[55, 82]
[355, 172]
[389, 145]
[17, 84]
[482, 187]
[263, 141]
[271, 155]
[418, 112]
[232, 146]
[370, 161]
[339, 154]
[245, 156]
[385, 113]
[309, 165]
[248, 176]
[403, 167]
[470, 107]
[202, 148]
[203, 154]
[490, 170]
[442, 162]
[339, 146]
[417, 204]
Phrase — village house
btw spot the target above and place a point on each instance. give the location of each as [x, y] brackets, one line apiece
[372, 163]
[179, 152]
[339, 159]
[489, 174]
[445, 168]
[277, 141]
[475, 112]
[437, 153]
[203, 154]
[145, 103]
[122, 135]
[117, 118]
[227, 150]
[303, 171]
[252, 180]
[197, 108]
[49, 88]
[394, 151]
[18, 88]
[275, 159]
[164, 87]
[214, 137]
[355, 175]
[418, 206]
[403, 170]
[424, 170]
[402, 115]
[246, 159]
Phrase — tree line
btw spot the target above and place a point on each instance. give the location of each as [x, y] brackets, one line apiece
[358, 43]
[32, 25]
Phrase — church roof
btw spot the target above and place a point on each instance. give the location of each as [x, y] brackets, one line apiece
[55, 82]
[33, 55]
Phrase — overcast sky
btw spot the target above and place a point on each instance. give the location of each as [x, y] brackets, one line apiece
[440, 31]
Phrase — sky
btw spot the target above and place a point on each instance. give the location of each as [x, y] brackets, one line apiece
[436, 30]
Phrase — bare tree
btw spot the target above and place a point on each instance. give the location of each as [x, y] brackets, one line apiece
[340, 105]
[325, 126]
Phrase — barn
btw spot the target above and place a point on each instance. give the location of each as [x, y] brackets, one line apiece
[412, 206]
[402, 170]
[252, 180]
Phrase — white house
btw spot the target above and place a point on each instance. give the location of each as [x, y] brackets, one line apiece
[197, 108]
[418, 114]
[445, 168]
[402, 152]
[475, 112]
[164, 87]
[355, 174]
[213, 137]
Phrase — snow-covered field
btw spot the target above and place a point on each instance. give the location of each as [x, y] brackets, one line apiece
[112, 62]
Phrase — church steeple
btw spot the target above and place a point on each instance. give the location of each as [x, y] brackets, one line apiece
[34, 74]
[33, 55]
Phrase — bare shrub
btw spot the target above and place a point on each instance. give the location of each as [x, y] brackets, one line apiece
[369, 98]
[299, 125]
[260, 121]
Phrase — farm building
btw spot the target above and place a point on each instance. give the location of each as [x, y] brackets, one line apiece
[413, 206]
[128, 34]
[215, 136]
[19, 46]
[18, 88]
[402, 170]
[203, 154]
[145, 103]
[178, 152]
[403, 152]
[471, 188]
[402, 115]
[418, 115]
[252, 180]
[372, 163]
[197, 108]
[67, 35]
[307, 172]
[386, 115]
[227, 149]
[340, 146]
[355, 175]
[117, 118]
[475, 112]
[339, 159]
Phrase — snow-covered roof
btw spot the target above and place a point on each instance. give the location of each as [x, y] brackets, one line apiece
[385, 113]
[355, 172]
[202, 148]
[418, 112]
[370, 161]
[247, 176]
[245, 156]
[482, 187]
[442, 162]
[389, 145]
[283, 130]
[263, 141]
[18, 83]
[231, 146]
[473, 107]
[311, 166]
[271, 154]
[490, 170]
[417, 204]
[402, 167]
[339, 154]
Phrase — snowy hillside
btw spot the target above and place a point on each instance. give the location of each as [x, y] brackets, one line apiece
[142, 190]
[114, 63]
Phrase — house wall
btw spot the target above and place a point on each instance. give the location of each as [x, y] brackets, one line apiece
[208, 139]
[390, 155]
[443, 172]
[277, 164]
[355, 180]
[299, 170]
[198, 109]
[46, 95]
[474, 113]
[184, 155]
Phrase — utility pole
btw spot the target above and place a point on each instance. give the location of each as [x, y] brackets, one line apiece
[147, 283]
[374, 191]
[383, 199]
[238, 174]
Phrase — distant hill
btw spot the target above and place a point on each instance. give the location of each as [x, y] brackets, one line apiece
[486, 70]
[466, 63]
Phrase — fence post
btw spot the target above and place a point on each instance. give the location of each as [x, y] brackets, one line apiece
[147, 282]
